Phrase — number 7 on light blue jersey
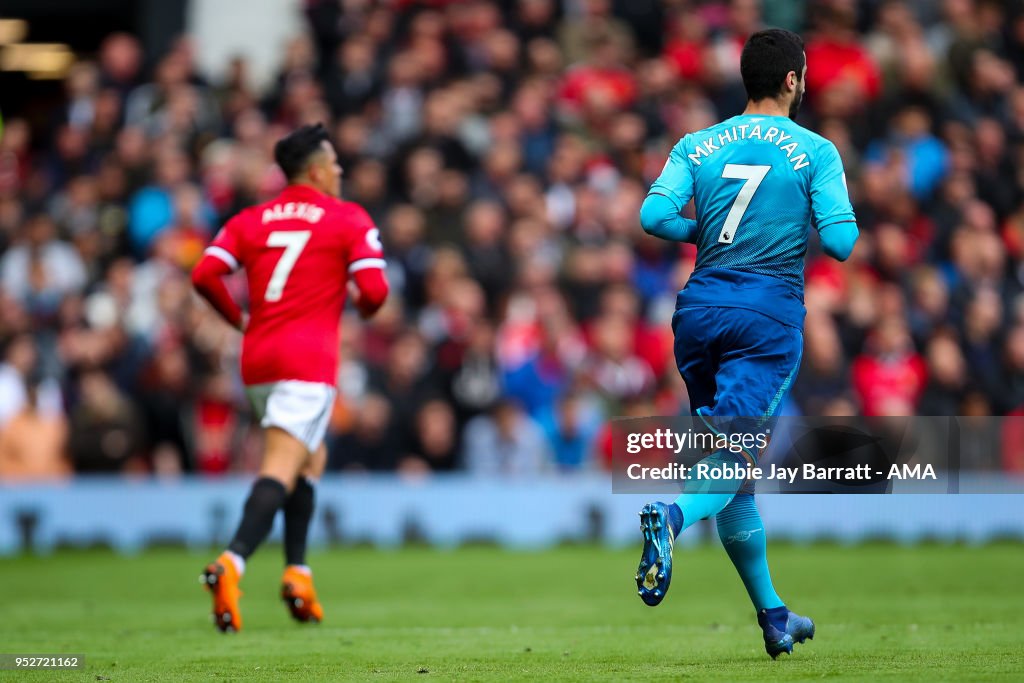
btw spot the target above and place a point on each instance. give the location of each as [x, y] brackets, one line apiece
[754, 175]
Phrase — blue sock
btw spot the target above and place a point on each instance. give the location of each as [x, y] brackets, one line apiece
[675, 519]
[698, 501]
[742, 534]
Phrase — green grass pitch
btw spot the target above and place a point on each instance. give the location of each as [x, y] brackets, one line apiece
[883, 612]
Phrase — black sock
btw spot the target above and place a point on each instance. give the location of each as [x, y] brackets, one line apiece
[265, 499]
[298, 511]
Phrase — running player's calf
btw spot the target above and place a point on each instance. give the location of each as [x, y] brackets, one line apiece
[297, 590]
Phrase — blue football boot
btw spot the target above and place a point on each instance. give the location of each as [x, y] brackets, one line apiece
[798, 629]
[655, 571]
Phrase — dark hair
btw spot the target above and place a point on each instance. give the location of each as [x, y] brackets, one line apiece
[767, 58]
[292, 152]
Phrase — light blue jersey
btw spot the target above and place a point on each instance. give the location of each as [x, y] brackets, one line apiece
[757, 183]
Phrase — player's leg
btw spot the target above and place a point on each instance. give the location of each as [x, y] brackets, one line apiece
[661, 523]
[742, 533]
[297, 582]
[753, 379]
[756, 361]
[283, 458]
[291, 413]
[737, 365]
[298, 508]
[696, 353]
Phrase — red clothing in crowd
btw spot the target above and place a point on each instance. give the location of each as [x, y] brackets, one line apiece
[582, 80]
[830, 61]
[889, 385]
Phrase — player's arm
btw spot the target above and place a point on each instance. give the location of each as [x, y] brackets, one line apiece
[660, 217]
[660, 214]
[830, 204]
[368, 284]
[370, 291]
[219, 259]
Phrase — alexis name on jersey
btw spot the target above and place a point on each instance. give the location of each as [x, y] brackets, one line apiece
[771, 134]
[292, 211]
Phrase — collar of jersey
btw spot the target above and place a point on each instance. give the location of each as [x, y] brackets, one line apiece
[303, 191]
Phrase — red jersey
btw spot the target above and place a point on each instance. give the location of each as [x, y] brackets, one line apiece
[297, 250]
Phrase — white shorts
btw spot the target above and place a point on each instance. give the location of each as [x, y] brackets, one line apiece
[302, 409]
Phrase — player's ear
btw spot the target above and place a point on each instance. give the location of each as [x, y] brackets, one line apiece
[315, 170]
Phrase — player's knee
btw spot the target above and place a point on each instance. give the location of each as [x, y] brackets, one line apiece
[284, 457]
[281, 474]
[314, 467]
[280, 477]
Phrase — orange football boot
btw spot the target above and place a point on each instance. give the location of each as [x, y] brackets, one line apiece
[299, 595]
[221, 578]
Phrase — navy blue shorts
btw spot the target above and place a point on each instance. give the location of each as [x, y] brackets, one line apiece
[736, 362]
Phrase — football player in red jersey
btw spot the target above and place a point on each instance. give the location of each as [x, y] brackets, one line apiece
[302, 252]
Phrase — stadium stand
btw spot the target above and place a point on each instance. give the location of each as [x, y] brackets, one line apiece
[504, 148]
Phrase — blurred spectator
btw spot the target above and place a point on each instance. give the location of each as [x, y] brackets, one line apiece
[106, 432]
[929, 304]
[824, 374]
[120, 62]
[32, 443]
[19, 362]
[572, 429]
[842, 77]
[152, 209]
[216, 426]
[406, 380]
[435, 440]
[592, 24]
[42, 269]
[1012, 392]
[172, 103]
[165, 403]
[553, 351]
[890, 377]
[372, 443]
[921, 157]
[612, 368]
[474, 384]
[947, 377]
[505, 442]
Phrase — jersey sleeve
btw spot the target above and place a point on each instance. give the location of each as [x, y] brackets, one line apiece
[227, 244]
[365, 249]
[676, 179]
[660, 217]
[830, 200]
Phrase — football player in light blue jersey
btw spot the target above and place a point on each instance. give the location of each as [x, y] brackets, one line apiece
[758, 181]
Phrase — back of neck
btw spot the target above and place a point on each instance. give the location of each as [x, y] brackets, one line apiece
[766, 107]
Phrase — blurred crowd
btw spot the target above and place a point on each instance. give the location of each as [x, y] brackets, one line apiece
[504, 148]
